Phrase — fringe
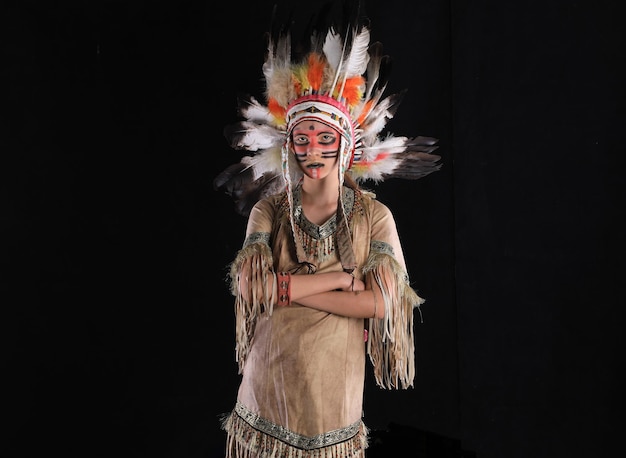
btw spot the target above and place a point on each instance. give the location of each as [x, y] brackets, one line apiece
[243, 441]
[318, 249]
[259, 258]
[390, 344]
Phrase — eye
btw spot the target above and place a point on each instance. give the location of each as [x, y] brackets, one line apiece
[300, 140]
[327, 139]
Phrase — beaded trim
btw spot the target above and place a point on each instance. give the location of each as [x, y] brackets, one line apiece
[255, 237]
[284, 289]
[329, 227]
[294, 439]
[318, 241]
[378, 246]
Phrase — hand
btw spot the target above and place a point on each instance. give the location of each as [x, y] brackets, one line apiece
[354, 284]
[359, 285]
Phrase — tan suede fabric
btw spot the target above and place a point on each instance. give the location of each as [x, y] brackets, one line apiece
[303, 370]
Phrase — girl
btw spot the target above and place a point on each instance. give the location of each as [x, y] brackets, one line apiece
[321, 280]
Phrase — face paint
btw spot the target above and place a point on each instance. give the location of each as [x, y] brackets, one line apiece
[316, 148]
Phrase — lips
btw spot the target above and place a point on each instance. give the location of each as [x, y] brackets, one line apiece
[315, 165]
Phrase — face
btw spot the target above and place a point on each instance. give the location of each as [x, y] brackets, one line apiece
[316, 147]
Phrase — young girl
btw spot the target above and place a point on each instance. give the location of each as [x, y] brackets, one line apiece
[321, 280]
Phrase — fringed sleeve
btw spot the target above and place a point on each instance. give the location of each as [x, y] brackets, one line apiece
[390, 344]
[261, 292]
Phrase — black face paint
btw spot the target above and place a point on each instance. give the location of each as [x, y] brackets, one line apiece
[301, 157]
[316, 144]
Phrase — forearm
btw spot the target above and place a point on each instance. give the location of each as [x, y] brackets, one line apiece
[354, 304]
[308, 285]
[334, 292]
[299, 285]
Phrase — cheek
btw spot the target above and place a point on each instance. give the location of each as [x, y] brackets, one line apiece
[330, 154]
[300, 154]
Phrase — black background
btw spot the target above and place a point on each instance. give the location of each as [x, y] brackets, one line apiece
[116, 322]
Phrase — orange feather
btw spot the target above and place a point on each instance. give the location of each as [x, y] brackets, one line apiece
[352, 90]
[297, 84]
[366, 109]
[277, 110]
[316, 71]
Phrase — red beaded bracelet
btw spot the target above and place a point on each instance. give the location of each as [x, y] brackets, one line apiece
[284, 289]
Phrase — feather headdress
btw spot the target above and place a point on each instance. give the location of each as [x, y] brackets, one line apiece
[337, 78]
[340, 80]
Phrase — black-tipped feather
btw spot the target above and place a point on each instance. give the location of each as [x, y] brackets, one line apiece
[237, 182]
[418, 160]
[422, 143]
[416, 165]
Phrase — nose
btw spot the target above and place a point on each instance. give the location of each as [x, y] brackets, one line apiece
[313, 150]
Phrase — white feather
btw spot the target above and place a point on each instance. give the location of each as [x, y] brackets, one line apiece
[283, 50]
[268, 65]
[374, 128]
[254, 111]
[373, 67]
[356, 62]
[256, 137]
[338, 49]
[278, 56]
[380, 169]
[263, 162]
[390, 144]
[377, 119]
[333, 48]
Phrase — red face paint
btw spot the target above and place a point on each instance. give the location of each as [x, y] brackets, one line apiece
[316, 147]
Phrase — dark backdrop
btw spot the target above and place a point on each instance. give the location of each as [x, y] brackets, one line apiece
[116, 321]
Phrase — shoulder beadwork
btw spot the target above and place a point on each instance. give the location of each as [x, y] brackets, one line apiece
[257, 237]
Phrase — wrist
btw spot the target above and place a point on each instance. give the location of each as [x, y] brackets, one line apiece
[350, 282]
[284, 289]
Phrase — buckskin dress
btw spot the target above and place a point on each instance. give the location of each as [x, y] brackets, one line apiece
[303, 370]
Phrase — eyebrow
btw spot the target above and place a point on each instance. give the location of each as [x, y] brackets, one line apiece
[311, 128]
